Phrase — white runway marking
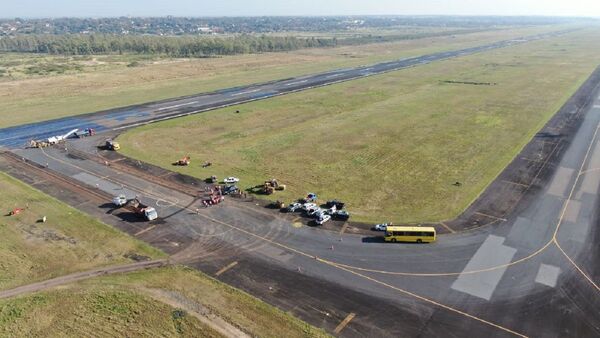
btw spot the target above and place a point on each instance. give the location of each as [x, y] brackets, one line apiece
[332, 76]
[178, 105]
[491, 253]
[246, 92]
[560, 182]
[572, 211]
[297, 82]
[103, 185]
[547, 275]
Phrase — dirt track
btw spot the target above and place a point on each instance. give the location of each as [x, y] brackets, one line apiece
[74, 277]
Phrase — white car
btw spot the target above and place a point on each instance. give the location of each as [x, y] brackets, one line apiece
[331, 210]
[294, 206]
[320, 213]
[231, 179]
[381, 227]
[323, 219]
[314, 212]
[308, 206]
[120, 200]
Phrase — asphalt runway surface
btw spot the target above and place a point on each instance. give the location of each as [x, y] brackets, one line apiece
[533, 273]
[127, 117]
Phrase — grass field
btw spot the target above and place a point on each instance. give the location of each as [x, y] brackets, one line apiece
[165, 302]
[391, 145]
[69, 241]
[160, 303]
[34, 87]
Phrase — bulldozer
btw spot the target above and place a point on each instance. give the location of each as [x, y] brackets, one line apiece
[183, 162]
[269, 187]
[38, 144]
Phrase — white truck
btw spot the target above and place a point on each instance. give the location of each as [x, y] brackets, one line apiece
[149, 213]
[60, 138]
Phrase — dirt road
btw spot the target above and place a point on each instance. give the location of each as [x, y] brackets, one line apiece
[50, 283]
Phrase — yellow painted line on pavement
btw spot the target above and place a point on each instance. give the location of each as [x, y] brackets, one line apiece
[344, 322]
[490, 216]
[430, 301]
[447, 227]
[344, 227]
[223, 270]
[144, 230]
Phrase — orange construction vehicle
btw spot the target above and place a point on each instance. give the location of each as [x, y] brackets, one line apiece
[184, 161]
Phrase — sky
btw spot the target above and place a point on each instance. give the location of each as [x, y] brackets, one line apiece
[106, 8]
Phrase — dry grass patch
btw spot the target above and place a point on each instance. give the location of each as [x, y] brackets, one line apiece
[111, 305]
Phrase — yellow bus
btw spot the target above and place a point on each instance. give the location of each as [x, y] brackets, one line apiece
[410, 234]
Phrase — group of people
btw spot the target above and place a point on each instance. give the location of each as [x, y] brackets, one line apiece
[215, 197]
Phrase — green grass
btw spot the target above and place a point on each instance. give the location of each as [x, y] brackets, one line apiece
[99, 311]
[68, 242]
[391, 145]
[32, 87]
[136, 303]
[151, 303]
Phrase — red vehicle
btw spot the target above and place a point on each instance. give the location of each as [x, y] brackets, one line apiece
[85, 133]
[213, 200]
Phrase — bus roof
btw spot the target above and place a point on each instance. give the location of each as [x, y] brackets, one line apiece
[403, 228]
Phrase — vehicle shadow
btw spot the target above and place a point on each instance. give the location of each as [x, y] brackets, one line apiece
[373, 239]
[131, 217]
[111, 208]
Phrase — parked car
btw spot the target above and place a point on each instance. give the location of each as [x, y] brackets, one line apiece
[307, 206]
[313, 211]
[338, 204]
[119, 201]
[321, 213]
[231, 180]
[230, 189]
[294, 207]
[341, 215]
[381, 227]
[332, 210]
[310, 197]
[323, 219]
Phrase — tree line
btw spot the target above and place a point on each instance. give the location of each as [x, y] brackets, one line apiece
[183, 46]
[186, 46]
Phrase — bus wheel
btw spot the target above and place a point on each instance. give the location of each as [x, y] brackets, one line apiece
[419, 241]
[393, 240]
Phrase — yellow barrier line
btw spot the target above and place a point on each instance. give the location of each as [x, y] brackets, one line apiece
[344, 322]
[223, 270]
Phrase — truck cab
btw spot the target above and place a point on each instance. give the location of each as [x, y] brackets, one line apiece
[150, 213]
[112, 145]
